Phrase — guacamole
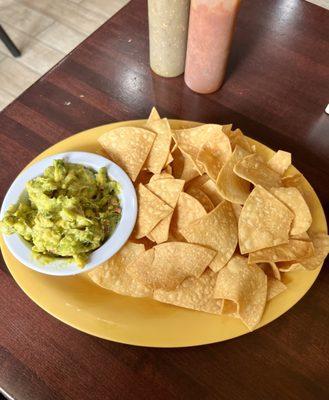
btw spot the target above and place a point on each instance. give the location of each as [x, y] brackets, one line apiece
[69, 211]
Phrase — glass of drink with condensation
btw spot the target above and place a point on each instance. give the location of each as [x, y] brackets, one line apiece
[210, 35]
[168, 26]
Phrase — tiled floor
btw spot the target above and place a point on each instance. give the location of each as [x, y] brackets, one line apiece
[44, 31]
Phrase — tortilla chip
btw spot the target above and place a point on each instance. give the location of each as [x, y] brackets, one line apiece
[290, 266]
[253, 169]
[280, 162]
[174, 147]
[216, 230]
[214, 153]
[149, 235]
[151, 210]
[183, 167]
[275, 271]
[227, 129]
[198, 194]
[321, 248]
[189, 171]
[160, 233]
[168, 169]
[237, 208]
[294, 200]
[264, 222]
[112, 274]
[190, 141]
[154, 116]
[237, 138]
[293, 250]
[167, 190]
[163, 175]
[274, 288]
[144, 240]
[293, 180]
[211, 190]
[299, 182]
[230, 186]
[245, 285]
[170, 159]
[128, 147]
[229, 308]
[270, 269]
[198, 181]
[160, 150]
[166, 265]
[187, 210]
[193, 293]
[301, 236]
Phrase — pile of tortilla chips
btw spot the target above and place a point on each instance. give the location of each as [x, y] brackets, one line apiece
[218, 225]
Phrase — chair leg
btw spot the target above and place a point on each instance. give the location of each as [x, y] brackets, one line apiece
[9, 43]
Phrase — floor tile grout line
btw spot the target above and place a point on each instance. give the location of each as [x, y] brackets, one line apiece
[99, 12]
[30, 68]
[8, 93]
[24, 65]
[43, 30]
[60, 22]
[60, 51]
[74, 4]
[69, 27]
[44, 43]
[15, 95]
[17, 59]
[5, 6]
[42, 15]
[35, 39]
[39, 40]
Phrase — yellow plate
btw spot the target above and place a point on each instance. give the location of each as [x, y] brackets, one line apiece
[80, 303]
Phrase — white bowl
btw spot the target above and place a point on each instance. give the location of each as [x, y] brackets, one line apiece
[21, 249]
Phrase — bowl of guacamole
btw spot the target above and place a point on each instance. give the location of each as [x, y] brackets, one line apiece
[68, 213]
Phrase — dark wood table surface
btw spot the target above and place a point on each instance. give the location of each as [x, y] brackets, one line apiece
[276, 90]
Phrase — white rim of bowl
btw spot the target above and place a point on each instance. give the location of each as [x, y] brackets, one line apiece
[60, 267]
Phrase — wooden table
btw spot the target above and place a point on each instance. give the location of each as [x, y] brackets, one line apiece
[276, 90]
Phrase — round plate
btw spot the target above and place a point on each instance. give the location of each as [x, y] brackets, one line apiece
[78, 302]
